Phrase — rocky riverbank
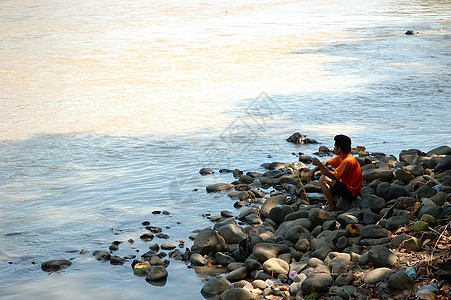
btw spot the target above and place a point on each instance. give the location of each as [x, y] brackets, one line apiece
[284, 245]
[391, 243]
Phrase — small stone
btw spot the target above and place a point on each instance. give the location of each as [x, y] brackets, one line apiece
[156, 273]
[205, 171]
[382, 257]
[55, 265]
[347, 292]
[237, 294]
[215, 286]
[219, 187]
[400, 281]
[116, 260]
[316, 283]
[167, 246]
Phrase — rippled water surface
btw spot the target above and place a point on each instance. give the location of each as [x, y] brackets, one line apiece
[110, 108]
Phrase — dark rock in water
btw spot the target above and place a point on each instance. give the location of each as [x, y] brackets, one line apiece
[219, 187]
[316, 283]
[205, 171]
[443, 165]
[300, 139]
[215, 286]
[156, 273]
[101, 255]
[237, 294]
[410, 32]
[55, 265]
[400, 281]
[147, 237]
[116, 260]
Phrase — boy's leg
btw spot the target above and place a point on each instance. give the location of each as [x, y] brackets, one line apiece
[327, 184]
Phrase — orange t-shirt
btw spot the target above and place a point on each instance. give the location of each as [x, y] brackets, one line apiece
[348, 171]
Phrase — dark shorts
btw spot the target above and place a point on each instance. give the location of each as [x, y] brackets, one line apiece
[341, 190]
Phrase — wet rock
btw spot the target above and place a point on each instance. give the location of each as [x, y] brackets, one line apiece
[219, 187]
[168, 246]
[101, 255]
[237, 294]
[208, 241]
[380, 256]
[300, 139]
[442, 150]
[156, 273]
[205, 171]
[55, 265]
[147, 237]
[215, 286]
[400, 281]
[376, 275]
[232, 233]
[316, 283]
[117, 260]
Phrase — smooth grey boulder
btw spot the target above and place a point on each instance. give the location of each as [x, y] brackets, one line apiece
[215, 286]
[372, 202]
[318, 216]
[232, 233]
[156, 273]
[276, 266]
[319, 283]
[380, 256]
[237, 275]
[265, 251]
[237, 294]
[279, 212]
[384, 175]
[374, 231]
[376, 275]
[442, 150]
[272, 202]
[443, 165]
[207, 241]
[219, 187]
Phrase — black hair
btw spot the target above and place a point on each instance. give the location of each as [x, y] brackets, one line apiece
[344, 142]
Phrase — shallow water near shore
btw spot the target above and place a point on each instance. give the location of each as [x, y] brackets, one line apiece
[109, 110]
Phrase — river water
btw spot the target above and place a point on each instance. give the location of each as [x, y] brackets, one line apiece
[110, 108]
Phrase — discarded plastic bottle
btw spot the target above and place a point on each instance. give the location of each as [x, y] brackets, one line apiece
[411, 273]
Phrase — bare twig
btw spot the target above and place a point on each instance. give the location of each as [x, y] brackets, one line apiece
[443, 231]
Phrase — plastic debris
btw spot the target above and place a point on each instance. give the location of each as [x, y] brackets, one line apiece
[428, 288]
[411, 273]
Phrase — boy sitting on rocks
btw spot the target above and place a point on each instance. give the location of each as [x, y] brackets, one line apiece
[346, 180]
